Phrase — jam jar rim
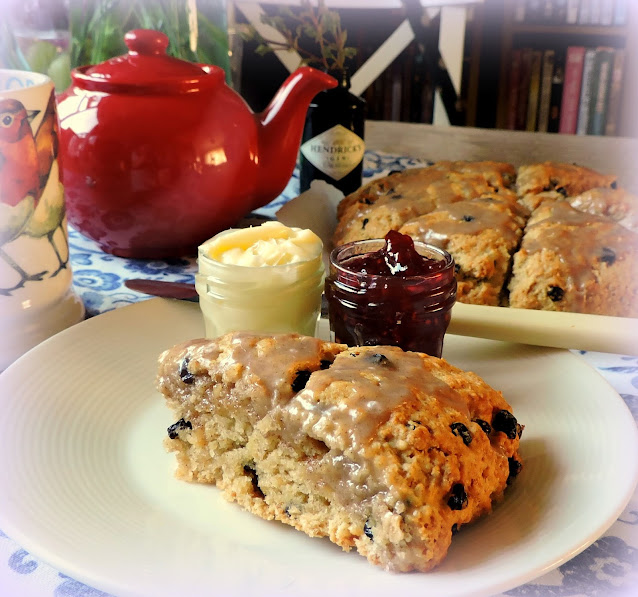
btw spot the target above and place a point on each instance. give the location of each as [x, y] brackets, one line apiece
[446, 257]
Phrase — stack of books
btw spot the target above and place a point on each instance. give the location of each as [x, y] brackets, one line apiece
[574, 91]
[572, 12]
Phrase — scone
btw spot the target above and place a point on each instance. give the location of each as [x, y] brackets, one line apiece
[617, 204]
[389, 202]
[575, 261]
[532, 201]
[412, 183]
[566, 179]
[377, 219]
[481, 235]
[245, 377]
[381, 450]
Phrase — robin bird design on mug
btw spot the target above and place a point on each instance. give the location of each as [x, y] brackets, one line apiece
[26, 163]
[18, 156]
[37, 298]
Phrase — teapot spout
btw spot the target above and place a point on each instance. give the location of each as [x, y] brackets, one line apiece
[281, 127]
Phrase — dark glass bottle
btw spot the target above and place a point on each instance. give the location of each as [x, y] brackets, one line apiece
[332, 144]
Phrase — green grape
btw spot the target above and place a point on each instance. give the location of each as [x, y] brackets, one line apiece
[60, 71]
[40, 55]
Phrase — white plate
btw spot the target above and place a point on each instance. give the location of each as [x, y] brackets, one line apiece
[87, 486]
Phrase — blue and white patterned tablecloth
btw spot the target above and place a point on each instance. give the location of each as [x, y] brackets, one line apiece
[609, 567]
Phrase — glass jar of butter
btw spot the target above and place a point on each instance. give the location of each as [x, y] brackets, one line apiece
[266, 279]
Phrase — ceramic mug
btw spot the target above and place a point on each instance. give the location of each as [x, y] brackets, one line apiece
[36, 298]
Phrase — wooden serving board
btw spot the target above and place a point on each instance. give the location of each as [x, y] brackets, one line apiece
[611, 155]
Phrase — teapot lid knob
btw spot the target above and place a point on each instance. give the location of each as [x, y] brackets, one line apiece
[147, 69]
[146, 41]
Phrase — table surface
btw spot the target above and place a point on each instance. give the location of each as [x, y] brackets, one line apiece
[609, 567]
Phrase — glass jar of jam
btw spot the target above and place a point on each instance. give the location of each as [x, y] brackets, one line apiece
[266, 279]
[391, 291]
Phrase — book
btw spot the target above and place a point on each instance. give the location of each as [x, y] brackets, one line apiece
[396, 94]
[387, 94]
[586, 91]
[523, 89]
[571, 15]
[560, 12]
[620, 12]
[558, 79]
[534, 89]
[534, 11]
[615, 91]
[600, 92]
[408, 73]
[519, 11]
[545, 90]
[584, 14]
[571, 89]
[606, 12]
[547, 11]
[594, 11]
[514, 84]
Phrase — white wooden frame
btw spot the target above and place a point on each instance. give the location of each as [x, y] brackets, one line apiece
[451, 40]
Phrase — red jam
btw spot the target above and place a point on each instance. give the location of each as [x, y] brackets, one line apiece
[391, 291]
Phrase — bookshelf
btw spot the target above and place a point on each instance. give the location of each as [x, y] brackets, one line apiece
[587, 30]
[524, 37]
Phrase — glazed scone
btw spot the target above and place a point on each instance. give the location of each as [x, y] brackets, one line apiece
[453, 181]
[617, 204]
[532, 201]
[220, 389]
[574, 261]
[389, 202]
[384, 451]
[496, 174]
[566, 179]
[481, 235]
[376, 220]
[419, 202]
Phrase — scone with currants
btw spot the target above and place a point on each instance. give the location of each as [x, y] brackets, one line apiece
[380, 450]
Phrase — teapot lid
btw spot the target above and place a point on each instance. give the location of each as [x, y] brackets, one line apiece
[146, 68]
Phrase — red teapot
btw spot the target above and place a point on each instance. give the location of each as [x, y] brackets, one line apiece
[159, 154]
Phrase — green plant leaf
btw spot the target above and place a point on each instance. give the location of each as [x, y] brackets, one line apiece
[263, 49]
[278, 23]
[311, 32]
[98, 28]
[330, 22]
[10, 54]
[314, 32]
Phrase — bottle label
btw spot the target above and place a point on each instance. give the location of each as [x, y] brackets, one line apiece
[336, 152]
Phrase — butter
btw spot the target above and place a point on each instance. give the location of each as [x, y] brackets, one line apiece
[270, 244]
[266, 279]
